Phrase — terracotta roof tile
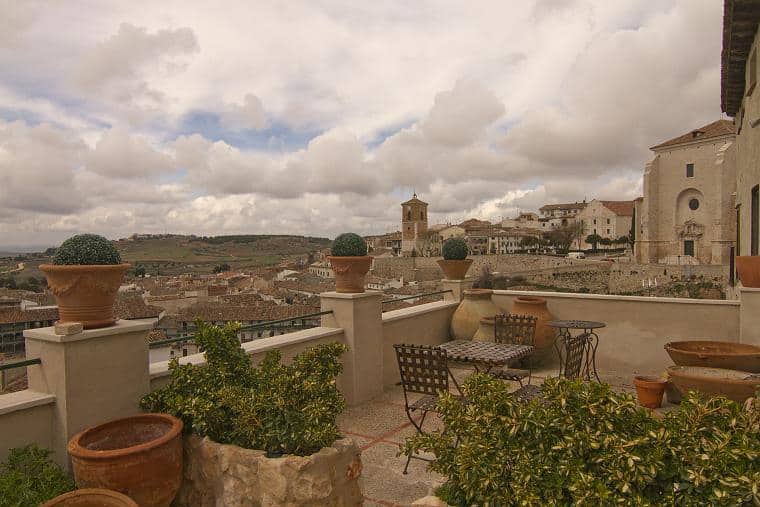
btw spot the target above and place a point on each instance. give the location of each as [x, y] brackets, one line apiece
[718, 128]
[16, 315]
[620, 208]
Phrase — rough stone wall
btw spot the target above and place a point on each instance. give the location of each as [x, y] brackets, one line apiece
[230, 476]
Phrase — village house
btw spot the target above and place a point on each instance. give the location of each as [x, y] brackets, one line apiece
[322, 269]
[606, 219]
[559, 215]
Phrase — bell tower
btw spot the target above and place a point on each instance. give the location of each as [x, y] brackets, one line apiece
[414, 225]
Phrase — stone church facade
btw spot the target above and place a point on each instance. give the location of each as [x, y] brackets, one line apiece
[414, 226]
[687, 213]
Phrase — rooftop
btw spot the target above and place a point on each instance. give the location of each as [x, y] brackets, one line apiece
[740, 20]
[715, 130]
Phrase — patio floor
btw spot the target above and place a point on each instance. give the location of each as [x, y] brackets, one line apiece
[380, 426]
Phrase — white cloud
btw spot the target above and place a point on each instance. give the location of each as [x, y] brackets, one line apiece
[248, 115]
[122, 155]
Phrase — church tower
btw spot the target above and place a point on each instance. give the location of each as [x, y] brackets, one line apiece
[414, 225]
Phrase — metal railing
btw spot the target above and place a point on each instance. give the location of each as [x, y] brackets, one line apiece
[20, 364]
[260, 325]
[416, 296]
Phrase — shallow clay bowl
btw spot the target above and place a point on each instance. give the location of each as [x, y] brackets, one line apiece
[714, 354]
[92, 497]
[734, 385]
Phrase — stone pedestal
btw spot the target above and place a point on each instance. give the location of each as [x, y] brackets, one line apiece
[457, 288]
[95, 375]
[749, 316]
[360, 316]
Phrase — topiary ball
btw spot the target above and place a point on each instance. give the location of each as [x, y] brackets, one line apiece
[349, 244]
[454, 249]
[86, 249]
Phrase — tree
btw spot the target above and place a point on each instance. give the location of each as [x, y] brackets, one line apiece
[622, 240]
[530, 243]
[562, 237]
[632, 232]
[140, 271]
[221, 268]
[605, 241]
[593, 240]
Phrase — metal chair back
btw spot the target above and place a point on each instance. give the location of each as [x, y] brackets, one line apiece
[515, 329]
[574, 353]
[423, 369]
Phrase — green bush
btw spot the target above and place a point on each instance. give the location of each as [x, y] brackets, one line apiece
[86, 249]
[454, 249]
[29, 478]
[349, 244]
[282, 409]
[587, 445]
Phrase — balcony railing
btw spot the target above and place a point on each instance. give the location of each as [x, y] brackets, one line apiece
[20, 364]
[417, 296]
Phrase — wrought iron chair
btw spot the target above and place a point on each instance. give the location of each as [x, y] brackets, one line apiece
[517, 330]
[571, 365]
[423, 371]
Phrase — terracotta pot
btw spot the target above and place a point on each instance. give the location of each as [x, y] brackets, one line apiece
[476, 303]
[715, 354]
[734, 385]
[672, 393]
[543, 341]
[91, 497]
[485, 332]
[350, 273]
[85, 294]
[455, 269]
[140, 456]
[649, 390]
[748, 268]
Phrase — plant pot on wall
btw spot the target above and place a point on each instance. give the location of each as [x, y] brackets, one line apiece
[455, 269]
[350, 263]
[748, 268]
[543, 340]
[140, 456]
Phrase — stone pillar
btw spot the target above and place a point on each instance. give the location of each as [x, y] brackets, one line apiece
[749, 315]
[457, 288]
[360, 316]
[95, 375]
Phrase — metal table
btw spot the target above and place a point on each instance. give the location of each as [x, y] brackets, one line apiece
[592, 342]
[484, 355]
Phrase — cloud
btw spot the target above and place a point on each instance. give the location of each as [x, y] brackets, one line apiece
[122, 155]
[249, 115]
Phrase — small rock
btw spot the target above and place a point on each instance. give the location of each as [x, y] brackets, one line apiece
[68, 328]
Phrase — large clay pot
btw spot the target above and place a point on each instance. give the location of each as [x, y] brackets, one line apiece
[734, 385]
[485, 332]
[455, 269]
[748, 268]
[715, 354]
[350, 273]
[649, 390]
[476, 303]
[85, 294]
[543, 341]
[140, 456]
[91, 497]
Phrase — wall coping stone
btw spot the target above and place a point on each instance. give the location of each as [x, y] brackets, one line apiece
[355, 295]
[416, 311]
[257, 346]
[610, 297]
[47, 334]
[22, 400]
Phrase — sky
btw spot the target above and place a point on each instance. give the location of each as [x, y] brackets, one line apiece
[317, 117]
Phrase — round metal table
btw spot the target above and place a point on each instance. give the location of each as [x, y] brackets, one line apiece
[592, 342]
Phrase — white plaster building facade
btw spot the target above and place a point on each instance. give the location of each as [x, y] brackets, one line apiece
[607, 219]
[687, 213]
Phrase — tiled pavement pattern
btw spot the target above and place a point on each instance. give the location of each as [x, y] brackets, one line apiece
[380, 426]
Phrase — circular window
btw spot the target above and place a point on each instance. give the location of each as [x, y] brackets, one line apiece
[694, 204]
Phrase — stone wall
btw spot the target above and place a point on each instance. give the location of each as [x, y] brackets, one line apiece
[228, 475]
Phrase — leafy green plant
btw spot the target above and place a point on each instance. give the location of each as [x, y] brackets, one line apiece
[454, 249]
[584, 444]
[349, 244]
[282, 409]
[29, 478]
[86, 249]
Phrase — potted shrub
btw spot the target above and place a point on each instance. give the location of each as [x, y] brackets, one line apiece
[350, 262]
[455, 262]
[140, 456]
[260, 435]
[585, 444]
[85, 277]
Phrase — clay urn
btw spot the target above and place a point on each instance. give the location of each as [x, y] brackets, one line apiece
[455, 269]
[350, 272]
[649, 390]
[543, 341]
[91, 497]
[485, 331]
[476, 304]
[748, 268]
[140, 456]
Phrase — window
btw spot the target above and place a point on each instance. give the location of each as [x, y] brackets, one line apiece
[689, 170]
[753, 220]
[608, 221]
[595, 221]
[409, 215]
[694, 204]
[688, 247]
[608, 231]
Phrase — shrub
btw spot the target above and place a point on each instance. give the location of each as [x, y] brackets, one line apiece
[349, 244]
[587, 445]
[282, 409]
[30, 478]
[87, 249]
[454, 249]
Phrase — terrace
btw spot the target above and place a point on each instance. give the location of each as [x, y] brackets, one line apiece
[64, 397]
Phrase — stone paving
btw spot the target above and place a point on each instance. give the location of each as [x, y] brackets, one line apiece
[380, 426]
